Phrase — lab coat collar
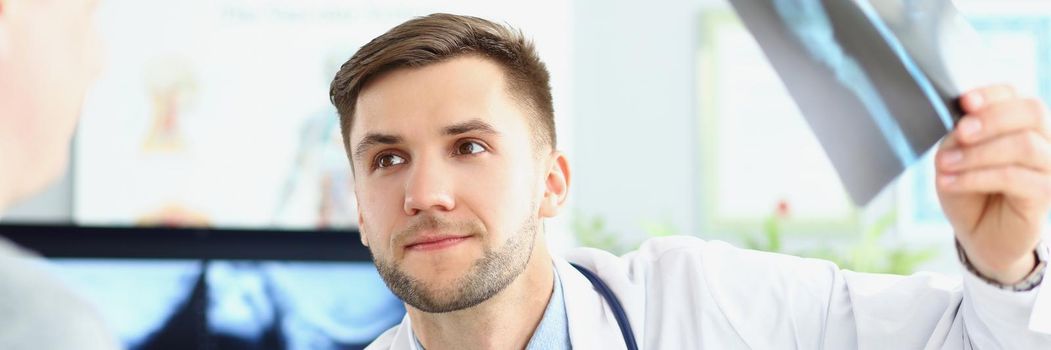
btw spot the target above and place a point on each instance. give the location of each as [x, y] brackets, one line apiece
[403, 338]
[591, 322]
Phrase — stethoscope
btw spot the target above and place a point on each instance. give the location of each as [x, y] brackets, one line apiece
[614, 303]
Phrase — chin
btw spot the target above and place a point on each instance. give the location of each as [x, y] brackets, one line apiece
[438, 273]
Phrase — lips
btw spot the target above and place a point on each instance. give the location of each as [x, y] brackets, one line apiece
[435, 242]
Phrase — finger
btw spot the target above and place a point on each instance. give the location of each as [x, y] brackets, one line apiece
[974, 100]
[1003, 118]
[1025, 148]
[1014, 181]
[949, 142]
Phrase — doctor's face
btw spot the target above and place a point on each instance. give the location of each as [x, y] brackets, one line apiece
[448, 182]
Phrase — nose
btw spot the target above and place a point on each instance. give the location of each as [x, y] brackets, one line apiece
[428, 188]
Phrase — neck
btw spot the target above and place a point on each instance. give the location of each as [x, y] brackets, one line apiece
[505, 321]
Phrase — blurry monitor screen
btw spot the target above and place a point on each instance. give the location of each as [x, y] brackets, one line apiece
[217, 304]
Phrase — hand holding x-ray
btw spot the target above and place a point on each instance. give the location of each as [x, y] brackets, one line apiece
[994, 168]
[882, 81]
[994, 180]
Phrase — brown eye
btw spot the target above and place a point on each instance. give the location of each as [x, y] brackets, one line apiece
[388, 160]
[469, 147]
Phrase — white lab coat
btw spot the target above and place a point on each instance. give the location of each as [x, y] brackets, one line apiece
[685, 293]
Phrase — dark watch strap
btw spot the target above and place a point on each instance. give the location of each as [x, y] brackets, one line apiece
[1032, 280]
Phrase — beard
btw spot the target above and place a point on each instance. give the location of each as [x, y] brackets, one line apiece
[485, 278]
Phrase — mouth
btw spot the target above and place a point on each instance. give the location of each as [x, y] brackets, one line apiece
[435, 242]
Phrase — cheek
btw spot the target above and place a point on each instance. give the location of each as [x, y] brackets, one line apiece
[59, 60]
[502, 195]
[48, 99]
[380, 203]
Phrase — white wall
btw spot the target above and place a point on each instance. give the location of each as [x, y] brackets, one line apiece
[636, 151]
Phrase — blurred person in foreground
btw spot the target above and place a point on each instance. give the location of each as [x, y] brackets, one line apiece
[49, 55]
[448, 124]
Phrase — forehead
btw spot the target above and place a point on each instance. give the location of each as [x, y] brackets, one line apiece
[435, 96]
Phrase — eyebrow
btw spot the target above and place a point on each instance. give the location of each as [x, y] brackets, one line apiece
[469, 126]
[373, 139]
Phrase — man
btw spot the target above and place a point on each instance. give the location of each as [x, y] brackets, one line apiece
[48, 56]
[448, 124]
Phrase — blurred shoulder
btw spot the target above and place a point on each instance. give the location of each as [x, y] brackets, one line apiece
[47, 315]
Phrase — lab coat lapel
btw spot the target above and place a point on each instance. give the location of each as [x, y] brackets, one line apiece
[591, 322]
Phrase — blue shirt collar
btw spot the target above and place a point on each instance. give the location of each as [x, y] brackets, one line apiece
[553, 331]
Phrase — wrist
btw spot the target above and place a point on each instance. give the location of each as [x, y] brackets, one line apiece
[1009, 273]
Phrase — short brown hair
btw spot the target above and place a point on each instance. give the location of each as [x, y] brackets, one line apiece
[438, 37]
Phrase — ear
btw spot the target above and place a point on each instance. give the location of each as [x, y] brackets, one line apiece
[361, 223]
[361, 219]
[556, 185]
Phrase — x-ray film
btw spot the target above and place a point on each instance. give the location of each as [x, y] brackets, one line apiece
[877, 82]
